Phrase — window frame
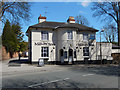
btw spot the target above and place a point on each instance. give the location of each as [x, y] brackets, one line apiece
[44, 35]
[69, 35]
[92, 36]
[44, 52]
[87, 35]
[85, 51]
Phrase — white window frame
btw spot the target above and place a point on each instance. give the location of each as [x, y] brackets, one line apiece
[44, 50]
[70, 35]
[44, 35]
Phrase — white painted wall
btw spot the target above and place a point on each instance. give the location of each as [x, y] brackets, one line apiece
[36, 49]
[106, 49]
[60, 38]
[115, 50]
[64, 42]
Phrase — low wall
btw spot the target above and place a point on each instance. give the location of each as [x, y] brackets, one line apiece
[116, 57]
[6, 56]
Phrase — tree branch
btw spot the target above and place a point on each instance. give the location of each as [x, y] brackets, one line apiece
[3, 9]
[108, 13]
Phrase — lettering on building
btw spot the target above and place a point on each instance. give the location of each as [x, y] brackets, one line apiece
[44, 43]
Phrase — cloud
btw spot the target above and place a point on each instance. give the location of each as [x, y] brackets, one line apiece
[82, 12]
[85, 4]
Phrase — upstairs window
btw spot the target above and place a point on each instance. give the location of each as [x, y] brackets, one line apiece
[70, 35]
[92, 36]
[85, 37]
[85, 51]
[44, 35]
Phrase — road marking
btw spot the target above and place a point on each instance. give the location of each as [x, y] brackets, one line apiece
[48, 82]
[87, 74]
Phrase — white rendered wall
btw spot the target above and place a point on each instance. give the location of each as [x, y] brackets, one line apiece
[106, 49]
[36, 49]
[92, 49]
[64, 42]
[60, 38]
[115, 50]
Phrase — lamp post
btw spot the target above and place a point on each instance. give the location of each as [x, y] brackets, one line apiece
[100, 46]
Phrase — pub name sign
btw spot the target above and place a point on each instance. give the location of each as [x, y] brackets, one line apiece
[43, 43]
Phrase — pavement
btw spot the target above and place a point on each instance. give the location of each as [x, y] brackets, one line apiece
[59, 76]
[11, 67]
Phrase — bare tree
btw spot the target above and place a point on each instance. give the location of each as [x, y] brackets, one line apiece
[14, 11]
[81, 20]
[110, 32]
[109, 11]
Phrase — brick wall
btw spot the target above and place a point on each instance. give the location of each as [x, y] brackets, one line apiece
[116, 56]
[6, 56]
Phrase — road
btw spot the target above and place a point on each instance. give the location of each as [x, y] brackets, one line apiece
[69, 76]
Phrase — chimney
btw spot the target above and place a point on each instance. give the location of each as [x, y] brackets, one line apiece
[71, 20]
[41, 19]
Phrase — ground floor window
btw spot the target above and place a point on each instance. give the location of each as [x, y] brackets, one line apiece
[44, 51]
[85, 51]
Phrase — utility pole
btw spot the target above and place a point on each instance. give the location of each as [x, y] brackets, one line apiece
[101, 46]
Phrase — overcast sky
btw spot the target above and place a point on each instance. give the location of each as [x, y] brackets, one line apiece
[60, 11]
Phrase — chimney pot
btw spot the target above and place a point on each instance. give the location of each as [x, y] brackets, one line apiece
[41, 19]
[71, 19]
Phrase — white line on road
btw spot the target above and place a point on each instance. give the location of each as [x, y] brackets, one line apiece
[87, 74]
[47, 82]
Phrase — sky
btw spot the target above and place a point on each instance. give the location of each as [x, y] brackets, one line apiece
[60, 12]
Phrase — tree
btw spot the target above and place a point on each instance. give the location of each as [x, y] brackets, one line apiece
[110, 32]
[109, 11]
[81, 20]
[14, 11]
[23, 46]
[17, 30]
[9, 39]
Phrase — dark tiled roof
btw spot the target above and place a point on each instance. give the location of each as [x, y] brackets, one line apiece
[56, 25]
[47, 24]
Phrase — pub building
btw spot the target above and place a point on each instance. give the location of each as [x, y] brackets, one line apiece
[59, 43]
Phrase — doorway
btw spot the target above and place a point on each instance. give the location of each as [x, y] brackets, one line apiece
[70, 58]
[61, 56]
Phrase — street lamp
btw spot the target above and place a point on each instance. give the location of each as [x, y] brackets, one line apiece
[100, 46]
